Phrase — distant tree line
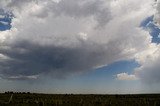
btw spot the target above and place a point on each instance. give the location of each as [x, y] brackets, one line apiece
[11, 92]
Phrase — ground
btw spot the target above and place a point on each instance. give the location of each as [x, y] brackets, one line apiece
[33, 99]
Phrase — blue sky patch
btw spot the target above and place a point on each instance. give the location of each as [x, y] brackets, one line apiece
[5, 20]
[108, 72]
[148, 24]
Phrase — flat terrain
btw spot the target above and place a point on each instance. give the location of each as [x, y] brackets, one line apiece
[32, 99]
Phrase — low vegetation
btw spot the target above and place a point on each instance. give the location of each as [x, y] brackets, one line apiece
[32, 99]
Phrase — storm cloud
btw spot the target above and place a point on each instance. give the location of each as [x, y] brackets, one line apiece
[67, 37]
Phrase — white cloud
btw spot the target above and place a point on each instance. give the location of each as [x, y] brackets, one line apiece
[83, 36]
[2, 16]
[157, 14]
[4, 23]
[125, 76]
[149, 71]
[20, 77]
[159, 35]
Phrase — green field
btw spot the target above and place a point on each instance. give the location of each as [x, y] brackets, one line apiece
[32, 99]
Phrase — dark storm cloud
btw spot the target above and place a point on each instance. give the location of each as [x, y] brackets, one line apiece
[29, 59]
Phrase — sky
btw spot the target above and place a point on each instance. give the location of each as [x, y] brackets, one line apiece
[80, 46]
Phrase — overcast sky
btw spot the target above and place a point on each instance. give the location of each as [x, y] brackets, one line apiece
[80, 46]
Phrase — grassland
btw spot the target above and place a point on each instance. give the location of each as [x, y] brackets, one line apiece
[32, 99]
